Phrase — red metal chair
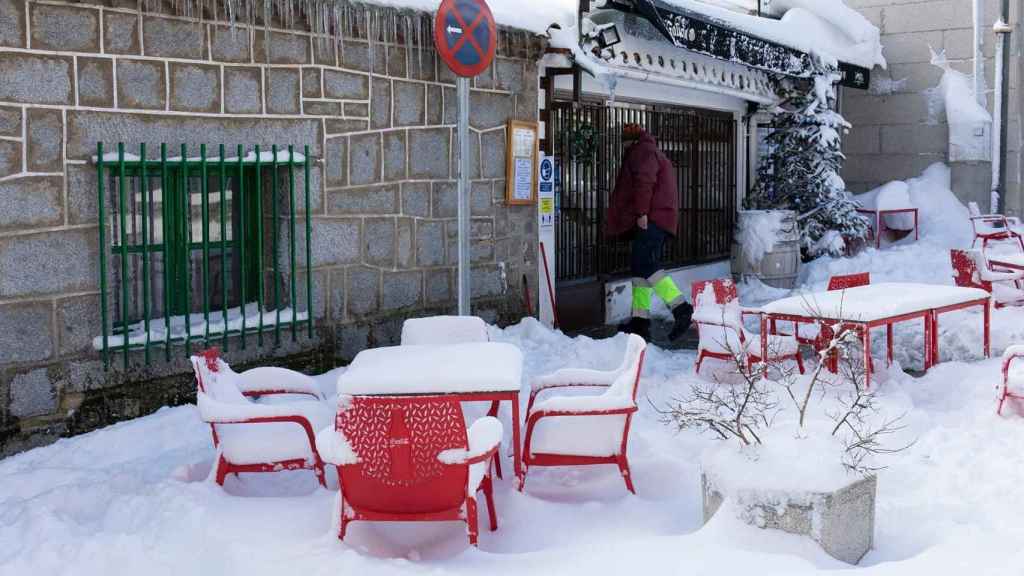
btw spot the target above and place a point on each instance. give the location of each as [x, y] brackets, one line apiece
[410, 459]
[993, 227]
[253, 437]
[585, 430]
[1009, 355]
[844, 281]
[825, 331]
[442, 330]
[718, 317]
[970, 270]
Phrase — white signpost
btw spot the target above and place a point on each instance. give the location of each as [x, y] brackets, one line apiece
[546, 237]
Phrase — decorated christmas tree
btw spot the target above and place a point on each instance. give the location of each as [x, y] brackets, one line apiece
[801, 170]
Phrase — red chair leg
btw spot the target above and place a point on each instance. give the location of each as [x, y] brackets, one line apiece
[222, 470]
[1002, 398]
[493, 412]
[799, 362]
[624, 470]
[342, 521]
[489, 496]
[471, 526]
[700, 360]
[318, 469]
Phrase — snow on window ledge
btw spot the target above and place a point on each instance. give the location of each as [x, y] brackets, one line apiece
[197, 326]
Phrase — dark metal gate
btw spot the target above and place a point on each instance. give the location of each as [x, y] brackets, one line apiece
[701, 145]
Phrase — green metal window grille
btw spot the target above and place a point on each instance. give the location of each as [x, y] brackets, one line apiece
[201, 248]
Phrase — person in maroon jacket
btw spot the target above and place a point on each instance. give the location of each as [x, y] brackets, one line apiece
[645, 208]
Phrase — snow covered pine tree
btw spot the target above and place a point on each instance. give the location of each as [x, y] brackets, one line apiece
[801, 171]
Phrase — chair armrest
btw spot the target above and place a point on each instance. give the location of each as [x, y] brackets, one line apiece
[267, 380]
[484, 438]
[216, 412]
[750, 311]
[995, 276]
[573, 377]
[570, 378]
[334, 447]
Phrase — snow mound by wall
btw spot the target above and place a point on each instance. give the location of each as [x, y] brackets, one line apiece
[942, 218]
[970, 124]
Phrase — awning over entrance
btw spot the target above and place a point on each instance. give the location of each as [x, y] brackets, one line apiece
[643, 54]
[698, 33]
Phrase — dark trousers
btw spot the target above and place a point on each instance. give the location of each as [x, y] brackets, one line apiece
[645, 253]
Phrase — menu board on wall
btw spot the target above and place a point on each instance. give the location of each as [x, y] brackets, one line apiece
[521, 163]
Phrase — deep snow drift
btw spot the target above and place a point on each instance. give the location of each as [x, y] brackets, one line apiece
[134, 498]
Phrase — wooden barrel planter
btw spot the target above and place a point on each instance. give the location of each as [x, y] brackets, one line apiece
[767, 247]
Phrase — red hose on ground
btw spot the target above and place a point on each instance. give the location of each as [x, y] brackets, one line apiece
[551, 290]
[526, 296]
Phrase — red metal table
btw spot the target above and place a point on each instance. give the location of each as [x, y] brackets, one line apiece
[879, 225]
[877, 305]
[471, 372]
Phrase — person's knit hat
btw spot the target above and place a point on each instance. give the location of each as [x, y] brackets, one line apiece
[631, 131]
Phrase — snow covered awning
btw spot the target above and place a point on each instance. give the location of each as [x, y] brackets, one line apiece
[774, 46]
[643, 54]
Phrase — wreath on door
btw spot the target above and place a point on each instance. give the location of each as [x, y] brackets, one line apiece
[583, 143]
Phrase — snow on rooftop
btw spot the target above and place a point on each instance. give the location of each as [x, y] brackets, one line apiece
[828, 28]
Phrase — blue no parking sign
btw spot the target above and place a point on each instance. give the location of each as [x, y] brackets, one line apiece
[465, 35]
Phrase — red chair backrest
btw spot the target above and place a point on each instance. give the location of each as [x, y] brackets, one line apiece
[844, 281]
[965, 270]
[397, 440]
[208, 360]
[724, 289]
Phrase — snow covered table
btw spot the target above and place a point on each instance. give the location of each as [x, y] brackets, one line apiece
[876, 305]
[472, 372]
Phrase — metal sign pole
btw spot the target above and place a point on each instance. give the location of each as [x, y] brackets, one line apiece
[465, 288]
[466, 37]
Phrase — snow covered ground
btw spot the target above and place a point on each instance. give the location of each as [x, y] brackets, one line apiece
[134, 498]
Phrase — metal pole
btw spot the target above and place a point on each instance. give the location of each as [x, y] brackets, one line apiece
[463, 193]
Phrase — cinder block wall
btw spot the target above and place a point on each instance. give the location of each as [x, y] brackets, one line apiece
[897, 130]
[383, 204]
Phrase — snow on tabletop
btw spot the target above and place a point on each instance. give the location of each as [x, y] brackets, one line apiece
[454, 368]
[873, 302]
[443, 330]
[758, 231]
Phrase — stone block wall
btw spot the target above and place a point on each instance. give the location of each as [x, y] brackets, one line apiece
[897, 128]
[379, 119]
